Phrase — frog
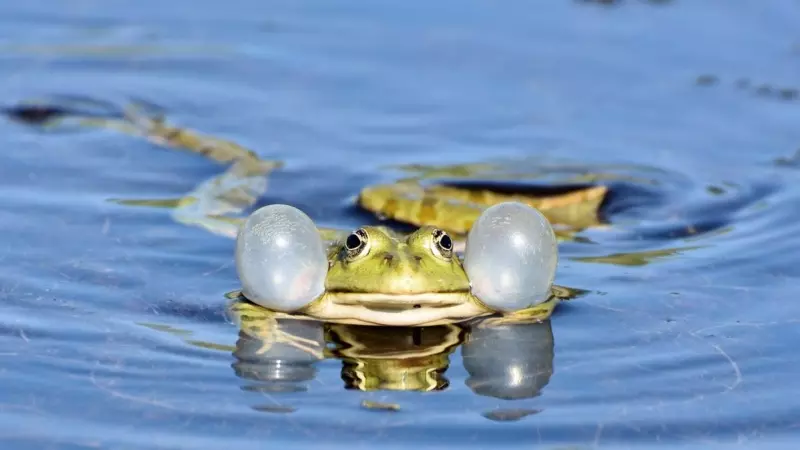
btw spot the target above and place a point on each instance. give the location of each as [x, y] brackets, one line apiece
[379, 276]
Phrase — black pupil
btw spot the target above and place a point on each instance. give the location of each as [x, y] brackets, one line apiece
[445, 242]
[353, 242]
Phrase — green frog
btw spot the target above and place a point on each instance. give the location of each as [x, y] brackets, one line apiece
[376, 276]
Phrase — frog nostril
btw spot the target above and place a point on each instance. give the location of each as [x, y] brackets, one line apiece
[388, 257]
[417, 258]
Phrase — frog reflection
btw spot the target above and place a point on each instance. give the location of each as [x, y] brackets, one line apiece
[510, 362]
[504, 361]
[407, 359]
[282, 359]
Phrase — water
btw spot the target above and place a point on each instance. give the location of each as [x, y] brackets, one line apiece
[114, 333]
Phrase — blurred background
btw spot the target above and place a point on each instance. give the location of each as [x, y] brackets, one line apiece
[115, 332]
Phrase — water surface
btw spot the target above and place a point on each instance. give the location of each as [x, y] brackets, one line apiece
[114, 332]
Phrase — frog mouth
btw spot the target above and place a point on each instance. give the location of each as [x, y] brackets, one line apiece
[396, 309]
[399, 302]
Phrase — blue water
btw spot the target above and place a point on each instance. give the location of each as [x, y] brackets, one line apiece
[114, 329]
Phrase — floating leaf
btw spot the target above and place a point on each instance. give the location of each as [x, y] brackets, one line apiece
[456, 208]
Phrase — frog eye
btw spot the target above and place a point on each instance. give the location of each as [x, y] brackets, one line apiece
[280, 258]
[511, 256]
[443, 243]
[357, 243]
